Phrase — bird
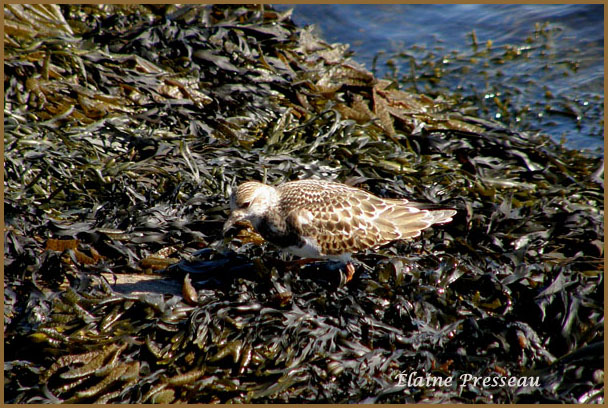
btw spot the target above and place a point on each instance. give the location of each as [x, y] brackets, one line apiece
[318, 219]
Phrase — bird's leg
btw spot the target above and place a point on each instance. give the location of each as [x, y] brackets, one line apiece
[347, 270]
[352, 266]
[350, 271]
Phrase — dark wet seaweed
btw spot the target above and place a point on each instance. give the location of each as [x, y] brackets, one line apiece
[126, 127]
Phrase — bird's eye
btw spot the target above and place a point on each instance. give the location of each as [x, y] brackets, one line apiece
[245, 204]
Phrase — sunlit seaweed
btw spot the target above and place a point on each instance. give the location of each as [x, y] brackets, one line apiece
[127, 126]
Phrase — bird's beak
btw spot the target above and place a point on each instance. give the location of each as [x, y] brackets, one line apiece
[230, 226]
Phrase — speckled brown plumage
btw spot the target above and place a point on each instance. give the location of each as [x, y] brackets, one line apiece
[321, 219]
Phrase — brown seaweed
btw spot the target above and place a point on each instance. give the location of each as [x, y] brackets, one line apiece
[126, 128]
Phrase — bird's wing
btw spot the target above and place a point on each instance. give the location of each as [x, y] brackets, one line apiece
[352, 220]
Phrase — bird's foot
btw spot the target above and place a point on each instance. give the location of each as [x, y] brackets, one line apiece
[346, 272]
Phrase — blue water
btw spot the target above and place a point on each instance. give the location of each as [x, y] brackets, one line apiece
[574, 78]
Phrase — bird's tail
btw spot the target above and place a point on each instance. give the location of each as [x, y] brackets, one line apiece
[410, 221]
[441, 216]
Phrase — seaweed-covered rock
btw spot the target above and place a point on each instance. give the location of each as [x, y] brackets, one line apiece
[127, 126]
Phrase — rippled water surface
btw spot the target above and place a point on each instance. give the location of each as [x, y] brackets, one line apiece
[563, 87]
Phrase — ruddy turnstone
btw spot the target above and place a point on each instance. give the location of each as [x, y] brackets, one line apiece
[327, 220]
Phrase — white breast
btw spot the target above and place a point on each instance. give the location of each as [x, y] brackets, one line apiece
[309, 250]
[312, 250]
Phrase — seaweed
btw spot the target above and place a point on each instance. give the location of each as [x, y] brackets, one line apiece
[126, 127]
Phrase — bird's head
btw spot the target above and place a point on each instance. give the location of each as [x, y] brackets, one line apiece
[250, 202]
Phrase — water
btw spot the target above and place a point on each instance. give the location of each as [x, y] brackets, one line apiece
[570, 79]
